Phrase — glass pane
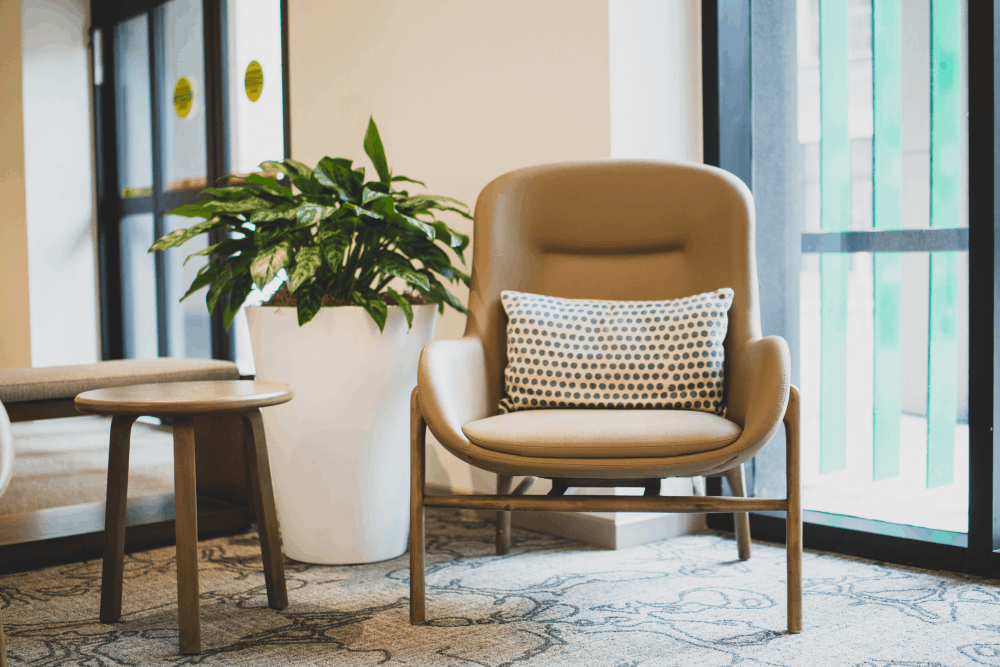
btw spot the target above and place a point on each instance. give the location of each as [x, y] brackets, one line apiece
[884, 356]
[138, 287]
[133, 110]
[182, 95]
[189, 327]
[256, 116]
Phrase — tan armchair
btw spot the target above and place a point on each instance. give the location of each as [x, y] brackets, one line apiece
[622, 230]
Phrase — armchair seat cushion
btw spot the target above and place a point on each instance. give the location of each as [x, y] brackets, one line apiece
[603, 434]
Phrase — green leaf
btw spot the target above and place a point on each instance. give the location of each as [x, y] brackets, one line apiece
[205, 276]
[285, 212]
[268, 262]
[195, 209]
[371, 195]
[363, 211]
[221, 285]
[310, 214]
[404, 304]
[443, 234]
[416, 199]
[269, 184]
[302, 169]
[228, 192]
[376, 307]
[408, 180]
[182, 236]
[410, 223]
[308, 185]
[397, 266]
[451, 299]
[224, 247]
[239, 295]
[420, 225]
[309, 300]
[246, 205]
[375, 151]
[334, 175]
[307, 260]
[334, 255]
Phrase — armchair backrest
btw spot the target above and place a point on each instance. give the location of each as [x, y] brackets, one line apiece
[615, 229]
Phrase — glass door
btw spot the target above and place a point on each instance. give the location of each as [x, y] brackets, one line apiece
[866, 130]
[194, 88]
[159, 103]
[256, 110]
[884, 288]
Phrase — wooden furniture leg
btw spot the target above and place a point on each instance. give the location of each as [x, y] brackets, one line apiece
[504, 485]
[3, 647]
[186, 521]
[114, 519]
[741, 520]
[267, 517]
[418, 470]
[793, 520]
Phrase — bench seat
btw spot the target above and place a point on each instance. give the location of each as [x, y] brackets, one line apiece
[22, 385]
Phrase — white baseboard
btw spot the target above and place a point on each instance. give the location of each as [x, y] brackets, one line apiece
[609, 532]
[606, 530]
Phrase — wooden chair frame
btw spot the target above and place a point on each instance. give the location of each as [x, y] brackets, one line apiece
[507, 500]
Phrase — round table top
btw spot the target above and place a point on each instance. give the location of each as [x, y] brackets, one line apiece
[167, 399]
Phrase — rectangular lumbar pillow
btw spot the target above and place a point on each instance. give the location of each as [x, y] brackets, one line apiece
[585, 353]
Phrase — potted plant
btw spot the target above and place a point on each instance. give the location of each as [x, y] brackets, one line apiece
[365, 265]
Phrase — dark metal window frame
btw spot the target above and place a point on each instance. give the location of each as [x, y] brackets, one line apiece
[729, 125]
[111, 206]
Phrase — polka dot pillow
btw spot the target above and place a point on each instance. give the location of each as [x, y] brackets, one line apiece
[581, 353]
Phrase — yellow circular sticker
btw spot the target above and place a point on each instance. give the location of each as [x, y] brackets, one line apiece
[183, 96]
[253, 81]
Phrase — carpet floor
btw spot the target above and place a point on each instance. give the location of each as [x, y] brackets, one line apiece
[683, 601]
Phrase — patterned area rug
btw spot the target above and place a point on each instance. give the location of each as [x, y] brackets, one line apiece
[684, 601]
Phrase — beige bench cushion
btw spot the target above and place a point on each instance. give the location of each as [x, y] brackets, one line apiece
[585, 434]
[57, 382]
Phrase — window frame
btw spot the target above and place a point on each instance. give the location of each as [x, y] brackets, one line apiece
[727, 75]
[111, 207]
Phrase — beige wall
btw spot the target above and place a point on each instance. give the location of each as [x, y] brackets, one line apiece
[15, 331]
[462, 91]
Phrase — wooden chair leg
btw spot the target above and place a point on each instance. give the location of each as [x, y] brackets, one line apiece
[741, 520]
[418, 471]
[267, 517]
[504, 485]
[186, 522]
[793, 522]
[114, 519]
[3, 647]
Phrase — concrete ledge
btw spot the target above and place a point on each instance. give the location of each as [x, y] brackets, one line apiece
[605, 530]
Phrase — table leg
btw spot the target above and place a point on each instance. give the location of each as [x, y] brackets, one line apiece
[267, 517]
[3, 648]
[186, 521]
[114, 519]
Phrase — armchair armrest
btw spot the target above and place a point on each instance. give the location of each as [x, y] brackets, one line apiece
[451, 382]
[770, 366]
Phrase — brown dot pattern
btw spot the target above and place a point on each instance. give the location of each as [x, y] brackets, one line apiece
[578, 353]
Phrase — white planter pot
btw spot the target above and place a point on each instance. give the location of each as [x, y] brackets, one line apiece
[339, 451]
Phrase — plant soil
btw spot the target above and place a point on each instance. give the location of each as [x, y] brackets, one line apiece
[283, 299]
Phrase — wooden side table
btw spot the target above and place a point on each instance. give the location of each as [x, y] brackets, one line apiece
[182, 401]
